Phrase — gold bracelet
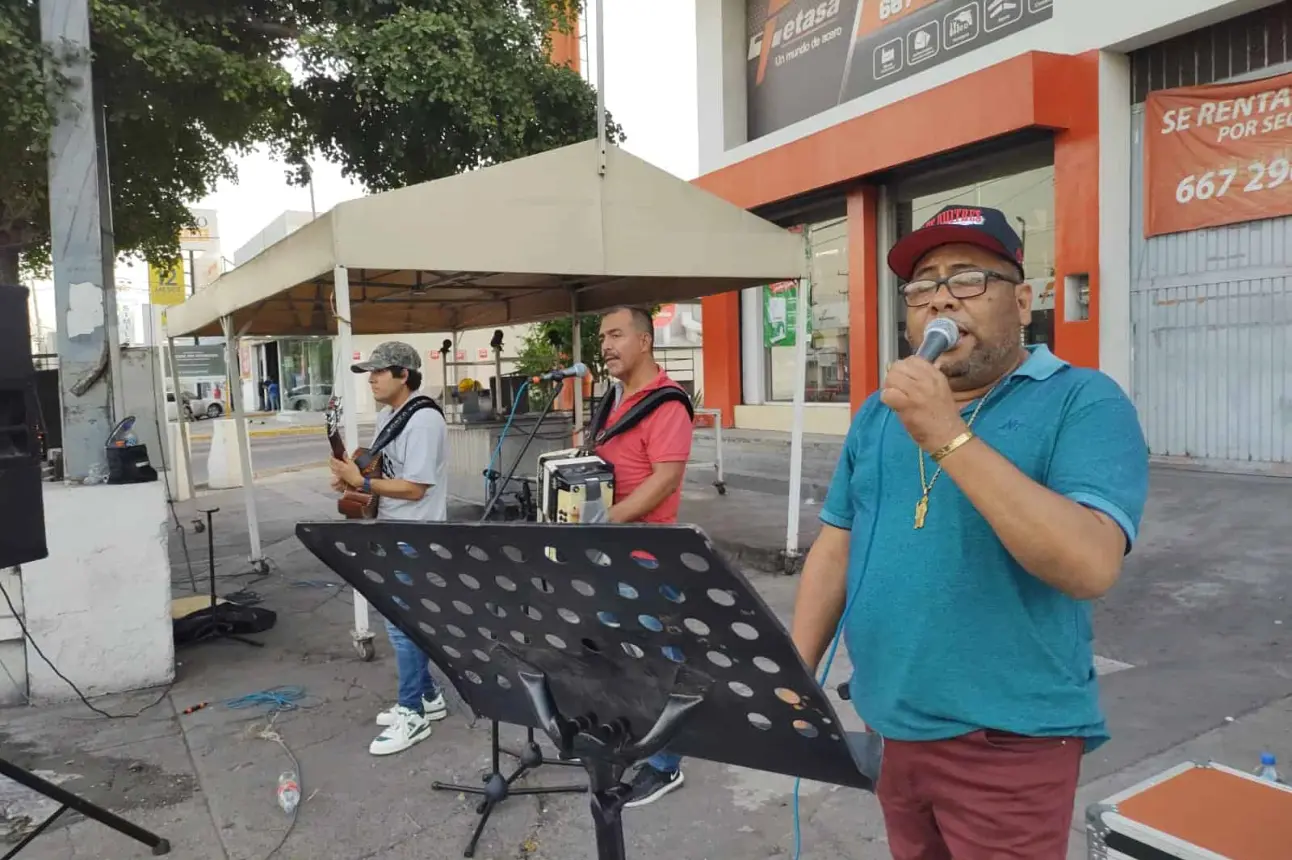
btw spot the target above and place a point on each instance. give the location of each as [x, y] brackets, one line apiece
[950, 448]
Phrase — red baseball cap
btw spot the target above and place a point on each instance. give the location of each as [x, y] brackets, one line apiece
[970, 225]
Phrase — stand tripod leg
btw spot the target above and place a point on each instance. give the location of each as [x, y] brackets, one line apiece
[497, 787]
[79, 804]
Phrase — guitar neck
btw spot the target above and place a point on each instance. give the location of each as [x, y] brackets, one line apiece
[338, 445]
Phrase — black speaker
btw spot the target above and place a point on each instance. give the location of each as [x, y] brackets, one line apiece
[22, 509]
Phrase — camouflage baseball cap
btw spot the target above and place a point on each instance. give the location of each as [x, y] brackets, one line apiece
[392, 353]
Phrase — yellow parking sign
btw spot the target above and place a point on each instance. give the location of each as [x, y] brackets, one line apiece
[167, 286]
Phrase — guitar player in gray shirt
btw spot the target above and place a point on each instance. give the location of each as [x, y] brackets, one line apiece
[412, 486]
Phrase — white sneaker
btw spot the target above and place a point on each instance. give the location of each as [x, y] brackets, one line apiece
[434, 709]
[408, 728]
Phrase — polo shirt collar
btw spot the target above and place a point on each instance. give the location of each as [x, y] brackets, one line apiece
[1040, 365]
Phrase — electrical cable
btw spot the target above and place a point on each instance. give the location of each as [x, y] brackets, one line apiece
[502, 437]
[277, 698]
[22, 625]
[848, 605]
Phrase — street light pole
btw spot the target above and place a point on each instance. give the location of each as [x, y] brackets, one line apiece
[84, 304]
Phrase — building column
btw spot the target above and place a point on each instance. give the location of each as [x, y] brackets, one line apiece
[863, 293]
[1077, 218]
[1115, 129]
[721, 315]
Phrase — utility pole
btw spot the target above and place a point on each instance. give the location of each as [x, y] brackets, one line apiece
[85, 306]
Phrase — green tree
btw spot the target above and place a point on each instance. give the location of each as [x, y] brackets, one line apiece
[395, 91]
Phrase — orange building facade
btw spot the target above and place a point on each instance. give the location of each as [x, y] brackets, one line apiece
[856, 121]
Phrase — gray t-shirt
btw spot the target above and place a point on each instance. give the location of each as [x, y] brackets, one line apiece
[419, 454]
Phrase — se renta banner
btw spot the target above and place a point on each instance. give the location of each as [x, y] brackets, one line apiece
[1217, 155]
[807, 56]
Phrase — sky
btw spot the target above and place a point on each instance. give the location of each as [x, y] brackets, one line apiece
[654, 101]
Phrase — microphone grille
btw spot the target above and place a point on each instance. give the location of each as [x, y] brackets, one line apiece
[579, 368]
[946, 328]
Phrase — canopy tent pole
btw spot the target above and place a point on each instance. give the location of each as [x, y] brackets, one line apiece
[802, 307]
[576, 355]
[234, 381]
[361, 634]
[181, 418]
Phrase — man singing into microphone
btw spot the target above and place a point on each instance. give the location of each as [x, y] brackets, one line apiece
[980, 503]
[650, 463]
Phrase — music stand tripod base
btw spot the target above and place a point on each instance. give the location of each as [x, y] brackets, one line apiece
[617, 641]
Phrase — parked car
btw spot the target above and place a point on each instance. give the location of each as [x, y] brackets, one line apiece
[308, 398]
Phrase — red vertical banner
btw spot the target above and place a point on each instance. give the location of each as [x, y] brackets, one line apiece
[1216, 155]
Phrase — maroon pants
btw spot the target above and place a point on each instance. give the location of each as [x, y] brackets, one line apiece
[984, 796]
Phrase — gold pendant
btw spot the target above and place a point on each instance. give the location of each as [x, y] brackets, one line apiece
[921, 511]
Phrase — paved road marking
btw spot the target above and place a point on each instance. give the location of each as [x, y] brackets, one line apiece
[1107, 666]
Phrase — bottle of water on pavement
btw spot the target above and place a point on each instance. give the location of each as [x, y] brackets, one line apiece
[289, 792]
[1267, 769]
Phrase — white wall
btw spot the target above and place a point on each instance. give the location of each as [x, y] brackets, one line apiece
[99, 606]
[13, 649]
[1076, 26]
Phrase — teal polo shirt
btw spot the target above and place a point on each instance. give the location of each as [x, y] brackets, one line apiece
[947, 633]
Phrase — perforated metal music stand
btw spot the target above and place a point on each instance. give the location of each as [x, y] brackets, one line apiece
[616, 640]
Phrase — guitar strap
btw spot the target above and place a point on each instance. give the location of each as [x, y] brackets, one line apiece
[395, 426]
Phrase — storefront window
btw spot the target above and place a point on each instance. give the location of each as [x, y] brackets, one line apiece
[307, 374]
[827, 347]
[1027, 199]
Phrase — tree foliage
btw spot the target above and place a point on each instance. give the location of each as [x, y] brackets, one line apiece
[395, 91]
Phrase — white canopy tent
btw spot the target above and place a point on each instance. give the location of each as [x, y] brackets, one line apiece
[573, 230]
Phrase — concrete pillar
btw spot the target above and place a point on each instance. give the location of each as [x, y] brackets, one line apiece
[84, 301]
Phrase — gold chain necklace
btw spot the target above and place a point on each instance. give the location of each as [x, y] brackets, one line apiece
[922, 506]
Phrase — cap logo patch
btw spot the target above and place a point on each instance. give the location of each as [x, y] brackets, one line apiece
[958, 217]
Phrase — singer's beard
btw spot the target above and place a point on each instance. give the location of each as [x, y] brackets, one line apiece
[984, 364]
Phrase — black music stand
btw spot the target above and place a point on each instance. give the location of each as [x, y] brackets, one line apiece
[217, 627]
[616, 640]
[66, 801]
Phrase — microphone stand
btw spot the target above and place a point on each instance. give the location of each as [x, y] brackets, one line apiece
[529, 439]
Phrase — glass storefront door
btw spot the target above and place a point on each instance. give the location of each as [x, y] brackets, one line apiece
[306, 374]
[1026, 196]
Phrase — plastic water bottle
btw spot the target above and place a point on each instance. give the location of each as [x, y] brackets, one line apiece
[289, 792]
[1267, 770]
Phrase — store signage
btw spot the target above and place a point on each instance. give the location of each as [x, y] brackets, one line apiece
[807, 56]
[665, 315]
[482, 353]
[200, 362]
[460, 355]
[780, 313]
[1218, 154]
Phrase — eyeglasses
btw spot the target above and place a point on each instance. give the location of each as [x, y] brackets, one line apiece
[962, 285]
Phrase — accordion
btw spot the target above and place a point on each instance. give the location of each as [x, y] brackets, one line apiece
[574, 487]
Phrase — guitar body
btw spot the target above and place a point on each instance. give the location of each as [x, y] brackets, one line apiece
[356, 504]
[353, 504]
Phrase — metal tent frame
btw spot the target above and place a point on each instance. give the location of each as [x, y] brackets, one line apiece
[575, 230]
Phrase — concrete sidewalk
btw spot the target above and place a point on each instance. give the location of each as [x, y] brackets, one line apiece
[1193, 650]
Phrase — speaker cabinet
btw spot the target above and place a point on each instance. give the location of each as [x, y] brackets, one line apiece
[22, 509]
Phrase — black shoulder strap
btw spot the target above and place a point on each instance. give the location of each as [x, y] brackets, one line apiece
[396, 425]
[638, 412]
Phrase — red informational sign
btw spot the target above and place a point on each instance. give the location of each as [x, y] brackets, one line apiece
[1216, 155]
[434, 355]
[665, 316]
[460, 355]
[482, 353]
[356, 355]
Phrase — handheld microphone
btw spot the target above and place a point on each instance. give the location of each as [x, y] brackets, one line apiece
[576, 369]
[939, 336]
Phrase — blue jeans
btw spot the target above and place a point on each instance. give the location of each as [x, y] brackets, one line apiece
[413, 668]
[665, 761]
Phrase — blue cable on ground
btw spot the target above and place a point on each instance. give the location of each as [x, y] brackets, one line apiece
[503, 435]
[275, 698]
[847, 609]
